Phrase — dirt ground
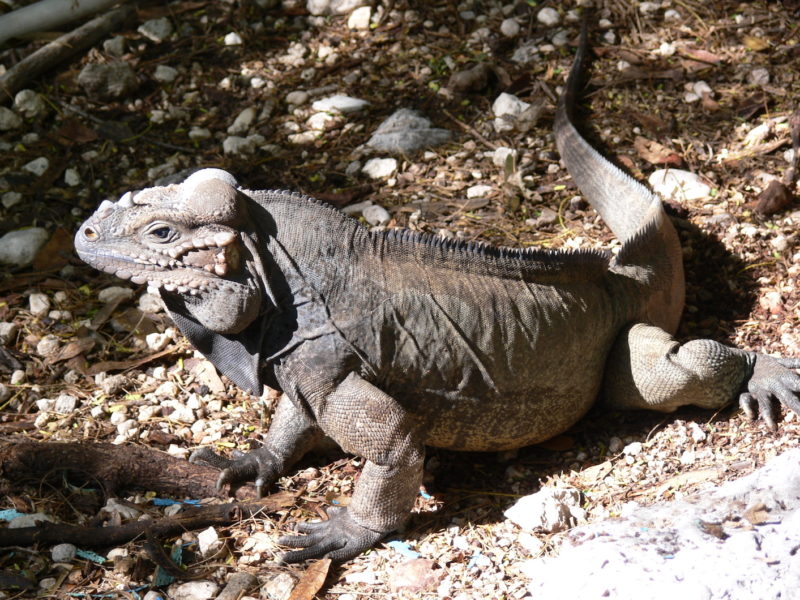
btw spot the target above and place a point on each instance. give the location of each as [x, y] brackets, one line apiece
[646, 109]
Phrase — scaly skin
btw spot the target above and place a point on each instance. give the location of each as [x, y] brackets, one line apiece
[388, 342]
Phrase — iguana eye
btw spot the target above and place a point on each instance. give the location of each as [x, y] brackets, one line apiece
[162, 233]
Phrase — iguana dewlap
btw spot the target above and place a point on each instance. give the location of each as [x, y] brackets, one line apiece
[391, 341]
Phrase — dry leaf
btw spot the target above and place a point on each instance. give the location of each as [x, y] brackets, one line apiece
[312, 580]
[56, 253]
[595, 473]
[71, 350]
[655, 153]
[689, 478]
[757, 514]
[756, 44]
[774, 198]
[416, 575]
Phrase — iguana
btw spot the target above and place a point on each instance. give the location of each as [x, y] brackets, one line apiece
[393, 340]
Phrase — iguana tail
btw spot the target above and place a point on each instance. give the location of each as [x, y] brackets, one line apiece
[632, 211]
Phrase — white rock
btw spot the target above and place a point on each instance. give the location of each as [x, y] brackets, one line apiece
[181, 412]
[157, 341]
[38, 304]
[678, 184]
[297, 98]
[208, 541]
[20, 247]
[672, 15]
[279, 587]
[165, 74]
[549, 510]
[356, 208]
[320, 121]
[38, 166]
[237, 145]
[63, 553]
[525, 54]
[633, 449]
[509, 28]
[128, 428]
[193, 590]
[758, 76]
[647, 8]
[18, 377]
[333, 7]
[10, 199]
[114, 293]
[378, 168]
[609, 37]
[340, 103]
[548, 16]
[156, 30]
[72, 177]
[243, 121]
[376, 215]
[30, 520]
[560, 38]
[8, 332]
[479, 191]
[48, 345]
[306, 137]
[359, 18]
[199, 133]
[501, 154]
[506, 109]
[233, 39]
[666, 49]
[151, 303]
[29, 104]
[9, 119]
[115, 46]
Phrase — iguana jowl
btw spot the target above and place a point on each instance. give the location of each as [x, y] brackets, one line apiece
[391, 341]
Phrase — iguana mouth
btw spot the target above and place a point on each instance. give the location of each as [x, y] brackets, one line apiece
[196, 266]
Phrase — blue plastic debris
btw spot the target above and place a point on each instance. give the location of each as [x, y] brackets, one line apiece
[403, 548]
[92, 556]
[9, 514]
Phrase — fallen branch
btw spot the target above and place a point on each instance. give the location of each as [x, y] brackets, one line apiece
[60, 50]
[190, 519]
[116, 468]
[47, 15]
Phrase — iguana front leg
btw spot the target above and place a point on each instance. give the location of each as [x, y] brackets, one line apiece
[365, 421]
[292, 433]
[648, 369]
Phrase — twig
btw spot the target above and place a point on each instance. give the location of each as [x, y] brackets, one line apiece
[61, 50]
[471, 130]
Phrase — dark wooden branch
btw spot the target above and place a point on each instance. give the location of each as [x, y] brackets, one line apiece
[115, 468]
[60, 50]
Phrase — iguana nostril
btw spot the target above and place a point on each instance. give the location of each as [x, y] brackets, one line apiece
[90, 234]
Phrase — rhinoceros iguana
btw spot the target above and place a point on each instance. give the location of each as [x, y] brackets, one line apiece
[388, 341]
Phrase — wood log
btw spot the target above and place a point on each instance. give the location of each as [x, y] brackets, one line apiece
[60, 50]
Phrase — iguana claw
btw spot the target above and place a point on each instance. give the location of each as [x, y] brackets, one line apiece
[772, 379]
[339, 538]
[244, 466]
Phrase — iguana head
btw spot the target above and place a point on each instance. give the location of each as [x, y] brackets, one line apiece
[185, 240]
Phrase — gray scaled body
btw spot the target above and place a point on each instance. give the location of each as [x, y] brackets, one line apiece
[391, 341]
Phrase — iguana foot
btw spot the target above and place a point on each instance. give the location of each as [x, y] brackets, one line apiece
[772, 379]
[258, 465]
[339, 538]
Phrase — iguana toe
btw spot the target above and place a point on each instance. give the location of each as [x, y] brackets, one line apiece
[772, 379]
[339, 538]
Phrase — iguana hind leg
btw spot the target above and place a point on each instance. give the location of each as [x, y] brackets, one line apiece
[648, 369]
